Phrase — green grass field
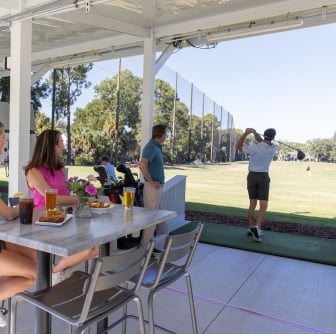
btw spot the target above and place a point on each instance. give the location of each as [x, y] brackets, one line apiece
[297, 195]
[293, 189]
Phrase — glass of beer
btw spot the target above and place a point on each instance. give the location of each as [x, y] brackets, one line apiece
[129, 195]
[50, 200]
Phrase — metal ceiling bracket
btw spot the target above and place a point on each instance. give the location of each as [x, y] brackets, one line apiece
[88, 7]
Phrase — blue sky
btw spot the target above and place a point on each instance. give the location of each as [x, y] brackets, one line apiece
[283, 80]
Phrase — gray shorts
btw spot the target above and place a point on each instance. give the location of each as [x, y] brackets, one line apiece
[258, 185]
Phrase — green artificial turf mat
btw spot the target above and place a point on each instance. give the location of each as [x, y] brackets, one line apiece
[320, 250]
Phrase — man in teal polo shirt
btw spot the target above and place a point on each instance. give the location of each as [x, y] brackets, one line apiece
[152, 169]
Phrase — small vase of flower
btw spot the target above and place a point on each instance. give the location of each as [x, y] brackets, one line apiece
[83, 209]
[84, 189]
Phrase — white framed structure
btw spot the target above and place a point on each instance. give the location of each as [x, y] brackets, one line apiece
[36, 35]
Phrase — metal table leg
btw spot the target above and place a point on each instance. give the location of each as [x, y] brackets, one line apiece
[43, 321]
[103, 251]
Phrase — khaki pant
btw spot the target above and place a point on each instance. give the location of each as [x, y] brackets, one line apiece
[151, 197]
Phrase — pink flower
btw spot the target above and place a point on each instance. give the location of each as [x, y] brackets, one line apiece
[81, 187]
[91, 189]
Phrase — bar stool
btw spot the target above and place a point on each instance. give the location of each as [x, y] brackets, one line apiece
[4, 312]
[168, 265]
[84, 299]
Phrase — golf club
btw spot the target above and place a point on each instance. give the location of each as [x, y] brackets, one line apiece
[300, 154]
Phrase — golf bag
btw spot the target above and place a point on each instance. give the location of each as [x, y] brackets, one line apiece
[110, 188]
[115, 192]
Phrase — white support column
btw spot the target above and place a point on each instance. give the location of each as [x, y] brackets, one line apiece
[19, 112]
[148, 90]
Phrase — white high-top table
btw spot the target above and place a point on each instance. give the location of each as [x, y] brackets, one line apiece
[76, 235]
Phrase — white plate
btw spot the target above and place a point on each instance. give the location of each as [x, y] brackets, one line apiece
[67, 218]
[100, 211]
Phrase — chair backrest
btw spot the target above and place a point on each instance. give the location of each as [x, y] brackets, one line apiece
[114, 270]
[100, 169]
[178, 252]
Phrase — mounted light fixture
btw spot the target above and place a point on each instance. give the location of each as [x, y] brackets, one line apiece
[56, 8]
[255, 28]
[74, 61]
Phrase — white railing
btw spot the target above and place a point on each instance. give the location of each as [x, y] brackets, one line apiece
[173, 198]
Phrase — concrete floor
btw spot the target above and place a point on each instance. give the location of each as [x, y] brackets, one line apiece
[239, 292]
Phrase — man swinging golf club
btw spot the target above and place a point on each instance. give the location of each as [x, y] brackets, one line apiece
[261, 155]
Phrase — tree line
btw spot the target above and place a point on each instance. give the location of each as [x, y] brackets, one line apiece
[110, 123]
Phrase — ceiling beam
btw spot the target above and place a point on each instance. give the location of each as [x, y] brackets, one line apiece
[117, 42]
[166, 53]
[106, 23]
[9, 4]
[250, 14]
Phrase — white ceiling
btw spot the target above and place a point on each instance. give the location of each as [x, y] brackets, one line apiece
[117, 28]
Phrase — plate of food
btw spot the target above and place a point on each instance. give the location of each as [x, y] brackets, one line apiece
[100, 207]
[57, 219]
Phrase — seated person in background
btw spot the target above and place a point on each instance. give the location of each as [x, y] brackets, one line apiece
[111, 174]
[44, 171]
[17, 263]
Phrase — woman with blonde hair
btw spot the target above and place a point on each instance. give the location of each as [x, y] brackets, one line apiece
[17, 263]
